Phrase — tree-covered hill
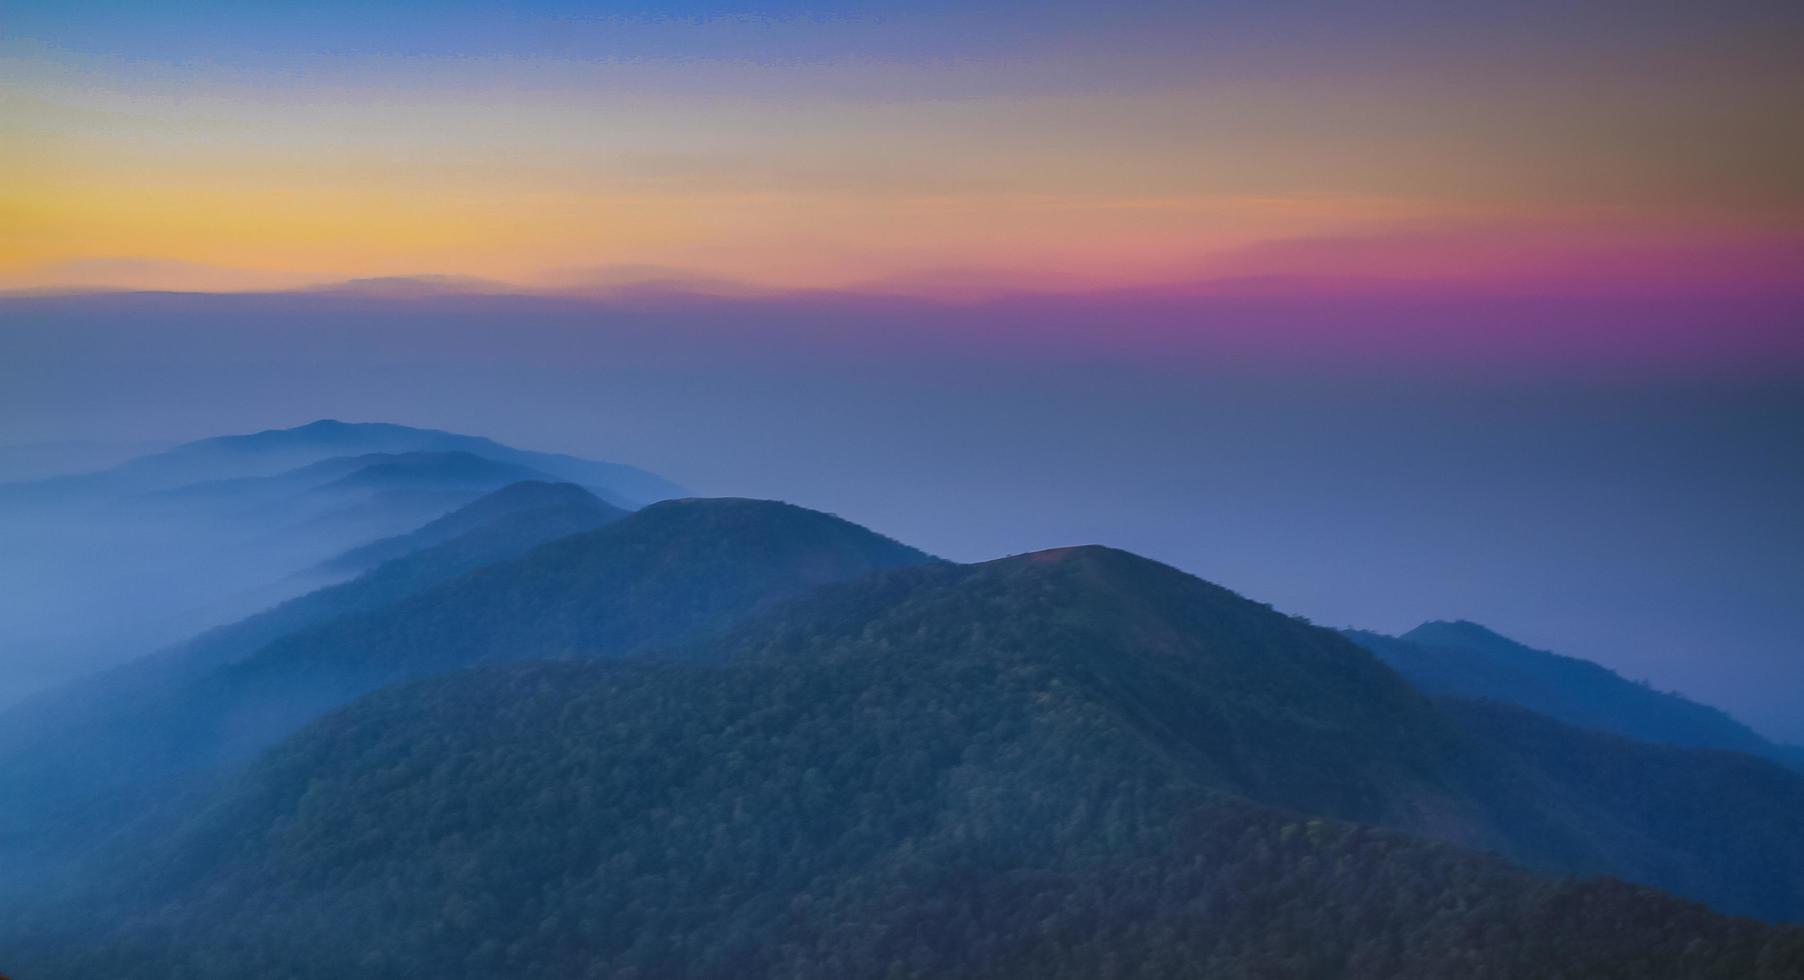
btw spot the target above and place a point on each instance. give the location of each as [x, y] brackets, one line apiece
[65, 755]
[1466, 660]
[101, 567]
[1291, 715]
[497, 527]
[1716, 826]
[260, 454]
[666, 573]
[526, 503]
[1262, 703]
[445, 470]
[1075, 763]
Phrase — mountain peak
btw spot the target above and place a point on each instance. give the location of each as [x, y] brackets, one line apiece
[1460, 658]
[752, 512]
[272, 451]
[437, 469]
[535, 491]
[1109, 567]
[1456, 631]
[1078, 552]
[536, 503]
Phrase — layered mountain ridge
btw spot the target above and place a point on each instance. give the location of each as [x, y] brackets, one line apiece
[725, 737]
[518, 586]
[107, 565]
[1049, 763]
[273, 451]
[1463, 659]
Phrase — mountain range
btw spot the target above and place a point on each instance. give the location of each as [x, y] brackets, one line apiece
[274, 451]
[544, 736]
[1463, 659]
[101, 566]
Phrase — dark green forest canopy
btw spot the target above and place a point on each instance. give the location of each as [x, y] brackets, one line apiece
[1291, 715]
[1076, 763]
[560, 508]
[83, 735]
[1466, 660]
[78, 765]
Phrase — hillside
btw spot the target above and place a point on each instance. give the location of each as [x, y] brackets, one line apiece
[497, 527]
[274, 451]
[65, 751]
[530, 502]
[343, 498]
[1039, 766]
[1716, 826]
[103, 566]
[448, 470]
[671, 571]
[1466, 660]
[1261, 703]
[1290, 715]
[249, 491]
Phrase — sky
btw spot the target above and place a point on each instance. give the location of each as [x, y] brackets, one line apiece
[923, 147]
[1379, 312]
[1635, 506]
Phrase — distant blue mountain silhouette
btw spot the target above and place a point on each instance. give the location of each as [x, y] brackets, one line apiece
[276, 451]
[1466, 660]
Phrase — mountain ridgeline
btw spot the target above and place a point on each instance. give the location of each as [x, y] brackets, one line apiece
[729, 738]
[661, 575]
[275, 451]
[780, 745]
[1466, 660]
[536, 508]
[74, 760]
[104, 566]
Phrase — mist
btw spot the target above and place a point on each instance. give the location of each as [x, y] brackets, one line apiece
[1629, 503]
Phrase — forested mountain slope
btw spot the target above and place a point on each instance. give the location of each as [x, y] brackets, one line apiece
[274, 451]
[101, 567]
[493, 529]
[1073, 763]
[1466, 660]
[666, 573]
[1717, 826]
[72, 759]
[527, 503]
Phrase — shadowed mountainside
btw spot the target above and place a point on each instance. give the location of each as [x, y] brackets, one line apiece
[529, 502]
[669, 572]
[1466, 660]
[70, 757]
[103, 566]
[1036, 766]
[276, 450]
